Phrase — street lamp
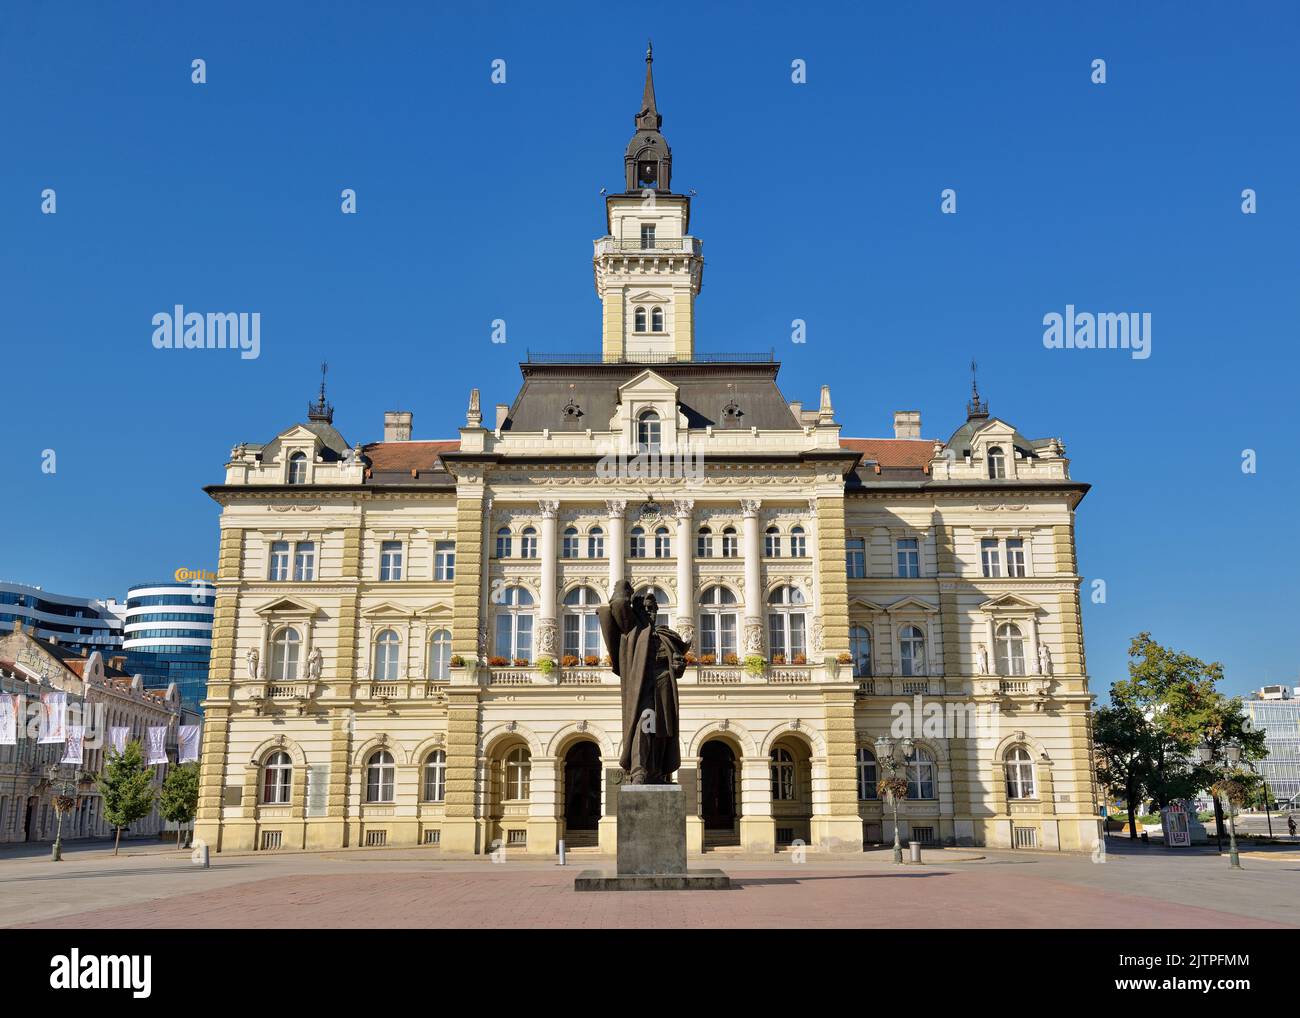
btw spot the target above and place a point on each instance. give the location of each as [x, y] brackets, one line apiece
[62, 803]
[1232, 753]
[893, 755]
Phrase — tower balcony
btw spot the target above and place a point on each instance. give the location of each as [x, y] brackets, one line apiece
[637, 245]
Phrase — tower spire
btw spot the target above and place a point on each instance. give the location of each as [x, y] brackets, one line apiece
[321, 410]
[648, 159]
[648, 96]
[976, 407]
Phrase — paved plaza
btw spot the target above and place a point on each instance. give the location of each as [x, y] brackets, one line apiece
[151, 885]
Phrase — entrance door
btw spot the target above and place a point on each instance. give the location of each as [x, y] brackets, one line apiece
[582, 787]
[718, 786]
[30, 822]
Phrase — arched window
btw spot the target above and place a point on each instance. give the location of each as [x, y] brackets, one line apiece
[1020, 773]
[663, 543]
[503, 542]
[595, 543]
[298, 468]
[911, 651]
[569, 546]
[787, 624]
[519, 766]
[798, 543]
[528, 543]
[648, 432]
[704, 543]
[661, 616]
[639, 318]
[514, 637]
[782, 775]
[718, 623]
[730, 546]
[860, 649]
[920, 774]
[1010, 648]
[388, 650]
[277, 779]
[435, 776]
[284, 655]
[380, 773]
[636, 543]
[581, 624]
[772, 543]
[657, 320]
[997, 462]
[866, 773]
[440, 654]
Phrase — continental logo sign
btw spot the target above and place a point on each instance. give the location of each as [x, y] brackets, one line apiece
[189, 575]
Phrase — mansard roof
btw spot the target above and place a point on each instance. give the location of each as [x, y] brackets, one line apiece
[333, 445]
[703, 390]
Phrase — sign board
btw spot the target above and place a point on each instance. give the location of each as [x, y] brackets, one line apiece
[1174, 821]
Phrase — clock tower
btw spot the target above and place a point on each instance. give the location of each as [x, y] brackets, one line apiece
[648, 268]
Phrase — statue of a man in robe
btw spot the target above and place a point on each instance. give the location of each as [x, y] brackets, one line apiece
[648, 659]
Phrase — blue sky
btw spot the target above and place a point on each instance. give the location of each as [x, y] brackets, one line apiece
[817, 201]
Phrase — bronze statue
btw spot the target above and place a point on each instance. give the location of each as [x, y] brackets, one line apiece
[648, 660]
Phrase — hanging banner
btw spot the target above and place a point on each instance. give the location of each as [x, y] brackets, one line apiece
[157, 744]
[72, 751]
[117, 736]
[54, 711]
[8, 719]
[189, 744]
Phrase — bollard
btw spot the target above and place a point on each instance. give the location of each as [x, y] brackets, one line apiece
[561, 851]
[199, 857]
[915, 848]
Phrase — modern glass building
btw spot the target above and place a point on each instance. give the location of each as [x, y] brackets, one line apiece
[1276, 710]
[168, 636]
[82, 624]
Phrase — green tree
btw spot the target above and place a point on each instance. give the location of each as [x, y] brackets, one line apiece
[127, 788]
[1125, 744]
[180, 798]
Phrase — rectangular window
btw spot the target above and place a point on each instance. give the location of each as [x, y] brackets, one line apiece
[1015, 556]
[596, 544]
[989, 557]
[390, 560]
[729, 544]
[569, 547]
[444, 560]
[909, 557]
[573, 635]
[279, 561]
[304, 561]
[855, 556]
[647, 236]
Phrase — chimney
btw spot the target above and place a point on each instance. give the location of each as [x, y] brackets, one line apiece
[503, 411]
[907, 423]
[796, 408]
[397, 426]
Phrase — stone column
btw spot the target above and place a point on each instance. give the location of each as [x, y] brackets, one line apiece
[685, 621]
[752, 639]
[616, 548]
[546, 624]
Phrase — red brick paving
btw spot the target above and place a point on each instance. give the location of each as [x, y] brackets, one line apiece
[544, 898]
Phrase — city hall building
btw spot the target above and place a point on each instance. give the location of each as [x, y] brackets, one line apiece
[406, 648]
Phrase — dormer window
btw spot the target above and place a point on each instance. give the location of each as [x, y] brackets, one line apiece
[997, 463]
[298, 468]
[639, 318]
[648, 432]
[657, 320]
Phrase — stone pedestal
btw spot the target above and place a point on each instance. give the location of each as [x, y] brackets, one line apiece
[651, 846]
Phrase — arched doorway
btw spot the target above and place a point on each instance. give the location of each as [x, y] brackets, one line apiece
[582, 776]
[29, 822]
[790, 765]
[718, 793]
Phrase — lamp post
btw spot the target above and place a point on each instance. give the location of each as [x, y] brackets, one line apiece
[1232, 753]
[893, 754]
[62, 803]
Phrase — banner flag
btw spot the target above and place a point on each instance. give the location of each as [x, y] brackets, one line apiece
[157, 744]
[54, 711]
[189, 743]
[8, 719]
[72, 752]
[117, 736]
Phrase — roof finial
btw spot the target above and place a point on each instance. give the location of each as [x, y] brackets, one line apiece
[320, 410]
[648, 96]
[976, 407]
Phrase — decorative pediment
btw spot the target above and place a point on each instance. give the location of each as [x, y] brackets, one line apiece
[911, 604]
[288, 607]
[387, 610]
[435, 611]
[1010, 603]
[647, 385]
[863, 604]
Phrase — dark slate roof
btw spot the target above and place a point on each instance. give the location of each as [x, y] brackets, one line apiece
[961, 438]
[702, 392]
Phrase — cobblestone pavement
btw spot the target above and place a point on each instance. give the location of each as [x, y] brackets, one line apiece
[152, 886]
